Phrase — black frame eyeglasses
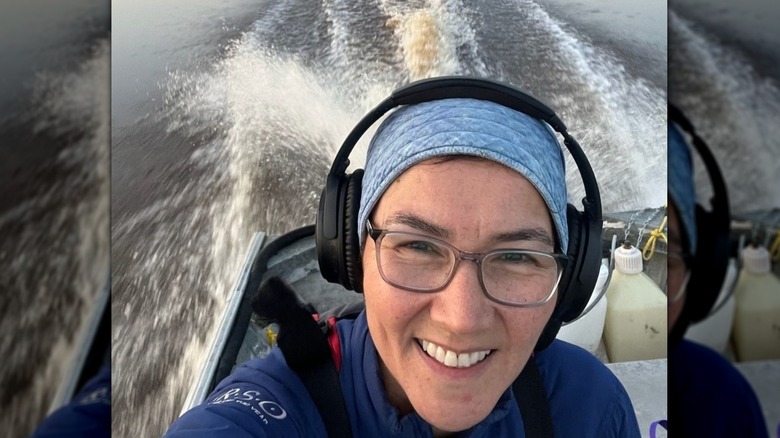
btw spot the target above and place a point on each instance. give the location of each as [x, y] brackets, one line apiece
[405, 259]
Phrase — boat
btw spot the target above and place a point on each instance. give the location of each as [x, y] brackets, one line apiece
[241, 335]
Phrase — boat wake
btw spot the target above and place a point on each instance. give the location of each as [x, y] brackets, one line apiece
[432, 38]
[619, 119]
[54, 250]
[734, 109]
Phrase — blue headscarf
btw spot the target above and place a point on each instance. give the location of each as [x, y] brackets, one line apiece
[466, 127]
[681, 188]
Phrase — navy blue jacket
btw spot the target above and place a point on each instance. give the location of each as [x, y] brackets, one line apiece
[709, 397]
[87, 415]
[264, 398]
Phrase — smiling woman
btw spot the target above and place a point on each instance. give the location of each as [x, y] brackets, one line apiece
[458, 319]
[461, 174]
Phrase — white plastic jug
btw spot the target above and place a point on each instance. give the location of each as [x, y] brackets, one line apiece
[636, 323]
[757, 315]
[715, 330]
[586, 332]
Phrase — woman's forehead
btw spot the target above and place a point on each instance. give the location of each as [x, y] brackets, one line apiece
[465, 194]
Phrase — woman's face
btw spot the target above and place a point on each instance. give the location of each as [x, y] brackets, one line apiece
[474, 205]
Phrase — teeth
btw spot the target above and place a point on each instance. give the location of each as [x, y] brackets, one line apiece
[440, 355]
[431, 350]
[452, 359]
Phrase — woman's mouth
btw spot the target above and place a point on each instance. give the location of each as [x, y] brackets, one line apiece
[450, 358]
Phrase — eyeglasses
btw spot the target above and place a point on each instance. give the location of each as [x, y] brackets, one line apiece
[420, 263]
[679, 273]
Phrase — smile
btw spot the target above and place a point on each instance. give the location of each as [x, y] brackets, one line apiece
[450, 358]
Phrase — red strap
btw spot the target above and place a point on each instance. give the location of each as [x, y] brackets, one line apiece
[334, 342]
[333, 339]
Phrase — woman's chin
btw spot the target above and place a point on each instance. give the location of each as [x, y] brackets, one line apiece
[453, 420]
[452, 425]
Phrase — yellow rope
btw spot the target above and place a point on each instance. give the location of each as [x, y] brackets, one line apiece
[649, 248]
[271, 335]
[774, 249]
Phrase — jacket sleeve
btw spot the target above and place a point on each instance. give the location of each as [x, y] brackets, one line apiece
[621, 421]
[262, 398]
[87, 415]
[236, 412]
[586, 398]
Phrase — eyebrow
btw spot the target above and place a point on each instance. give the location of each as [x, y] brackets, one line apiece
[532, 234]
[419, 223]
[528, 234]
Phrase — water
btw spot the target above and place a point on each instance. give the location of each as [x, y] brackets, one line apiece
[54, 199]
[723, 74]
[635, 30]
[225, 122]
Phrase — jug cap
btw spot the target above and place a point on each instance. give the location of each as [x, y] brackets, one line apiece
[755, 259]
[628, 259]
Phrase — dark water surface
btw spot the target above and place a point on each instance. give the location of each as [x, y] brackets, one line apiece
[54, 205]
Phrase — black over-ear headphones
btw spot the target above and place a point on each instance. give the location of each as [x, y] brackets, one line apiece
[338, 248]
[713, 228]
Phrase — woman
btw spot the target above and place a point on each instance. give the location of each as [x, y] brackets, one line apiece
[462, 228]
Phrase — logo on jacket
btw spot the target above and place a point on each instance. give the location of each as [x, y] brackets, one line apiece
[253, 400]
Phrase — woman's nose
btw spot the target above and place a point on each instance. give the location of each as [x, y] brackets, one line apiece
[462, 306]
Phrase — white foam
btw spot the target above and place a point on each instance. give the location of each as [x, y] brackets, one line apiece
[734, 109]
[631, 111]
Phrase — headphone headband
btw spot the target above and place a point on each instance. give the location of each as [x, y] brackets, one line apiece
[447, 87]
[451, 87]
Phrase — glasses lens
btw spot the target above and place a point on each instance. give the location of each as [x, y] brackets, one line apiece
[414, 262]
[520, 277]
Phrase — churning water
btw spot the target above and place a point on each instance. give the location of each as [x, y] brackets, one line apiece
[54, 230]
[240, 140]
[733, 100]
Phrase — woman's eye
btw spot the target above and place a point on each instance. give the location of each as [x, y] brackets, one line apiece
[514, 257]
[421, 246]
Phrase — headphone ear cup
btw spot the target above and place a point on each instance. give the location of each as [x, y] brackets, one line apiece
[351, 242]
[339, 256]
[708, 268]
[572, 297]
[328, 246]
